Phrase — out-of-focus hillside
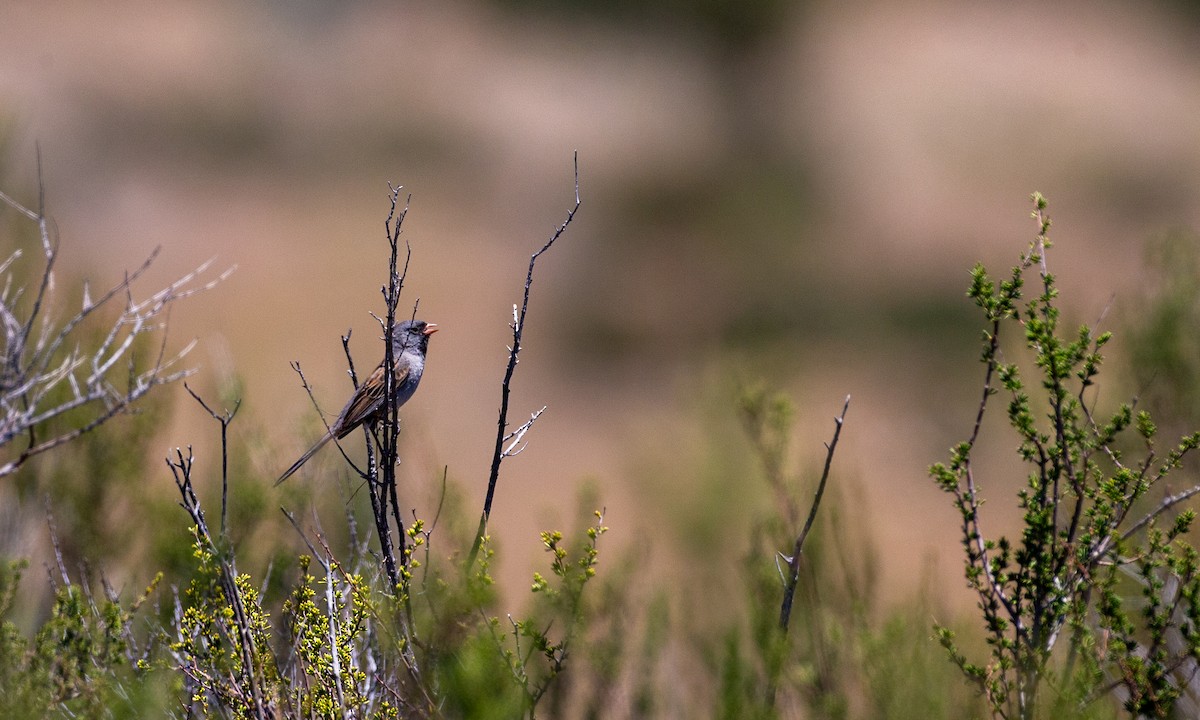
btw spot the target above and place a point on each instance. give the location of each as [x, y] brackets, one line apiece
[798, 202]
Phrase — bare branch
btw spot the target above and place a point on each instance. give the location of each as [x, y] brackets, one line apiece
[75, 372]
[785, 610]
[224, 419]
[518, 329]
[519, 434]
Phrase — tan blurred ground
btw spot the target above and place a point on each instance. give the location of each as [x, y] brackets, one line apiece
[266, 134]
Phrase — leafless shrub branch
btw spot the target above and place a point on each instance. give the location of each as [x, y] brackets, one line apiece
[793, 575]
[53, 368]
[518, 329]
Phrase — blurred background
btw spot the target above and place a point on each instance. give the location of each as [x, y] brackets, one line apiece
[780, 194]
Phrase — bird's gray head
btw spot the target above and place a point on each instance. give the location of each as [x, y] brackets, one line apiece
[413, 334]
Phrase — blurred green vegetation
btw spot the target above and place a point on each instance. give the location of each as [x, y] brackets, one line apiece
[1164, 341]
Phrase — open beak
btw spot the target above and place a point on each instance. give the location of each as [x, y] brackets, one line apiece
[430, 329]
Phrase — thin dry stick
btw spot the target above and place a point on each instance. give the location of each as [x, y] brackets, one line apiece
[793, 577]
[312, 398]
[789, 590]
[382, 488]
[223, 418]
[518, 329]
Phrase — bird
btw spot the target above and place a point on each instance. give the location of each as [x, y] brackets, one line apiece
[410, 342]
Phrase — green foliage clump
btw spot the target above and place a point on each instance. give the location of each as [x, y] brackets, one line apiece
[351, 648]
[1088, 529]
[84, 659]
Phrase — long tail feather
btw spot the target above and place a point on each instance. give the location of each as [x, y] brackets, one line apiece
[304, 458]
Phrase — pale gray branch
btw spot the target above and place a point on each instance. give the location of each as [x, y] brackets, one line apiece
[84, 364]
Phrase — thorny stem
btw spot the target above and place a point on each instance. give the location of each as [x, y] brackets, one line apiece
[785, 609]
[793, 576]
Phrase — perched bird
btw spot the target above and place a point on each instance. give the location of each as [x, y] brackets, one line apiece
[409, 344]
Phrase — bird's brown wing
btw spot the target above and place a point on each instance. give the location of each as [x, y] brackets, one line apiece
[366, 401]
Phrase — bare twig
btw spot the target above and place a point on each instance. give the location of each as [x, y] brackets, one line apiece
[317, 406]
[291, 517]
[224, 419]
[517, 436]
[382, 486]
[793, 578]
[1165, 504]
[518, 329]
[58, 556]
